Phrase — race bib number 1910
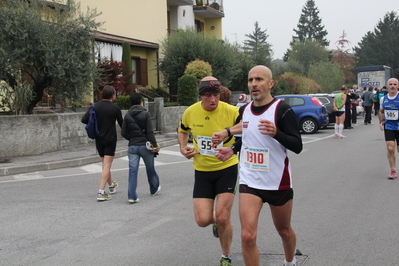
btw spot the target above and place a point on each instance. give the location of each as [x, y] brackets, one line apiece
[256, 159]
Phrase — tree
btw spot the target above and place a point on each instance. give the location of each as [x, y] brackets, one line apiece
[309, 27]
[111, 74]
[328, 74]
[292, 83]
[257, 47]
[185, 46]
[308, 53]
[240, 80]
[343, 58]
[49, 46]
[380, 47]
[127, 61]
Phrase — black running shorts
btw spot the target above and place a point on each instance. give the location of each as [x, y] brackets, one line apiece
[392, 135]
[105, 147]
[209, 184]
[273, 197]
[339, 113]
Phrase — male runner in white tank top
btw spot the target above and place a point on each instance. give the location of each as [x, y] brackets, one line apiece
[269, 127]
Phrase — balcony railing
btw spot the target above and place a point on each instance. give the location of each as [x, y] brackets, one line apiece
[209, 8]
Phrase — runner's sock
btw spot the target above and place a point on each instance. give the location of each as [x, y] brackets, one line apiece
[101, 191]
[340, 129]
[292, 263]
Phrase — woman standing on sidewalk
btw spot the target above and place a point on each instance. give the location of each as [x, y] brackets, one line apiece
[137, 128]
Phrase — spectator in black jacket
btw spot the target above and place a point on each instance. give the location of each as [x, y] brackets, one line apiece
[354, 100]
[137, 128]
[348, 110]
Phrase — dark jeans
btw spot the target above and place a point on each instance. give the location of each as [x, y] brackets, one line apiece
[367, 117]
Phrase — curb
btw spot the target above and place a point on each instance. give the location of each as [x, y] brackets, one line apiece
[14, 170]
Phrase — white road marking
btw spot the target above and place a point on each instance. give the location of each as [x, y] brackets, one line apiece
[92, 168]
[29, 176]
[152, 226]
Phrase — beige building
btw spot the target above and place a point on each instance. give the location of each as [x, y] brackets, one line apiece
[145, 23]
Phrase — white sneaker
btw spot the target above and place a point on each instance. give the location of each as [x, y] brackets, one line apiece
[159, 189]
[131, 201]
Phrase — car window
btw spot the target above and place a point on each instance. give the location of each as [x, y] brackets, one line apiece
[323, 100]
[295, 101]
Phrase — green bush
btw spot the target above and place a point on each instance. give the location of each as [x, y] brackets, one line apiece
[198, 68]
[123, 102]
[187, 90]
[161, 92]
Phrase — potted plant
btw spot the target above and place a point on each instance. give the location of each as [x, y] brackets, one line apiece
[215, 5]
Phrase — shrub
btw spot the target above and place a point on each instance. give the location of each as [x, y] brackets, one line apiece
[187, 90]
[123, 102]
[198, 68]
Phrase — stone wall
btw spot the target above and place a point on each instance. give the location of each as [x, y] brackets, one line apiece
[39, 133]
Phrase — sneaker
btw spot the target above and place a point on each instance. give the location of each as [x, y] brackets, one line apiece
[336, 136]
[159, 189]
[103, 197]
[215, 230]
[112, 189]
[393, 175]
[225, 261]
[342, 136]
[131, 201]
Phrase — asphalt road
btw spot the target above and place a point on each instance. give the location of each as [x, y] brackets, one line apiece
[345, 212]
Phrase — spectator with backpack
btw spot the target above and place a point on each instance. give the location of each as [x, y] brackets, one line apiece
[107, 113]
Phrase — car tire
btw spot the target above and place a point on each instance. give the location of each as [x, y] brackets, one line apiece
[309, 126]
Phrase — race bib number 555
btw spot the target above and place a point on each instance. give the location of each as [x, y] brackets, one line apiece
[205, 146]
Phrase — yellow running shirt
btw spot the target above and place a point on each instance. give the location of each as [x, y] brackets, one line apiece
[202, 124]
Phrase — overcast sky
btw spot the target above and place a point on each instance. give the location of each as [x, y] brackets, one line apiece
[280, 17]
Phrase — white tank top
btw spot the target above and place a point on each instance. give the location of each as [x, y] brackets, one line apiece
[264, 163]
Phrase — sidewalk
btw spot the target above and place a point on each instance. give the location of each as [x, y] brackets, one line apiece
[69, 157]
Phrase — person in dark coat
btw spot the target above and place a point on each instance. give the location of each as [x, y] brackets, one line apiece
[137, 128]
[348, 109]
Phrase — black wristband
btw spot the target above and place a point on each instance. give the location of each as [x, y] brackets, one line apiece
[228, 131]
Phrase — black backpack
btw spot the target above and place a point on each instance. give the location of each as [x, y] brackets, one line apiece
[92, 125]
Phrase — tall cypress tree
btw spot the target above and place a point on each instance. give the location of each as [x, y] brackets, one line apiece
[127, 61]
[309, 27]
